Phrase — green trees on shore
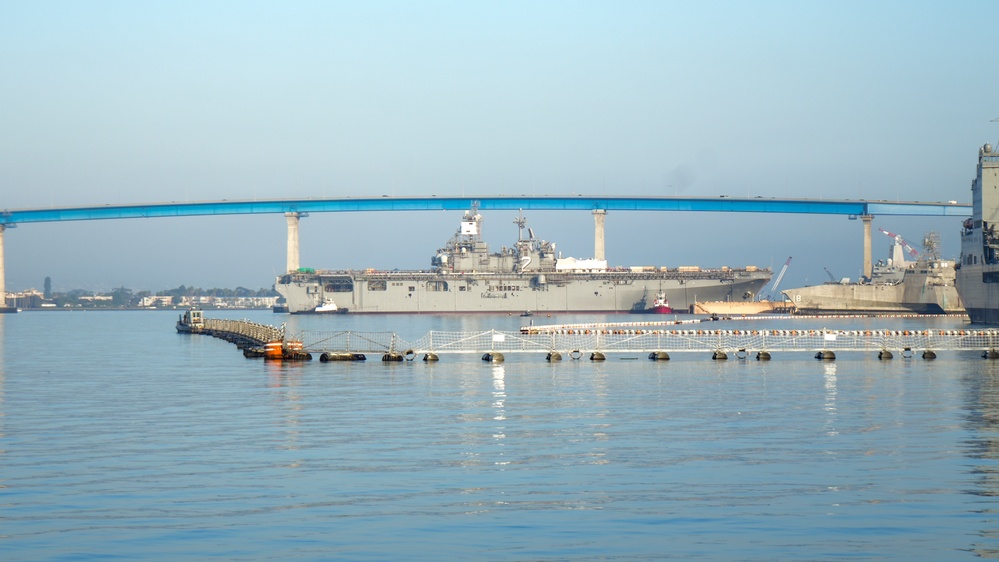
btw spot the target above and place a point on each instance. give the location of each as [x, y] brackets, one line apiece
[123, 297]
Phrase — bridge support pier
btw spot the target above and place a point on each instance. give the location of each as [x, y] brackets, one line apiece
[293, 263]
[868, 264]
[598, 233]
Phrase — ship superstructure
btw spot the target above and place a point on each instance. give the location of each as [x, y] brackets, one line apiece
[531, 275]
[978, 271]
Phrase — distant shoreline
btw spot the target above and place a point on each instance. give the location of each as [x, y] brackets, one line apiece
[132, 309]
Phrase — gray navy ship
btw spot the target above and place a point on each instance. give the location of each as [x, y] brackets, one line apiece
[896, 286]
[978, 270]
[530, 277]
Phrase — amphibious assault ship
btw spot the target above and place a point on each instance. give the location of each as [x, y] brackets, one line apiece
[530, 276]
[896, 286]
[978, 270]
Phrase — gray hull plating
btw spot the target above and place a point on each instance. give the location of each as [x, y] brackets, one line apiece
[978, 272]
[495, 293]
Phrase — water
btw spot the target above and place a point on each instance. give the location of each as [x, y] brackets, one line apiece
[122, 439]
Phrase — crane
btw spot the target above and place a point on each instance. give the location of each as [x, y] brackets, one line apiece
[773, 288]
[829, 273]
[902, 242]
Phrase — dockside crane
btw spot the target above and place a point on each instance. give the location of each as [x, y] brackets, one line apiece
[902, 242]
[776, 282]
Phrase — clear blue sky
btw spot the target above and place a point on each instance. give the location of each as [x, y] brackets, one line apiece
[128, 102]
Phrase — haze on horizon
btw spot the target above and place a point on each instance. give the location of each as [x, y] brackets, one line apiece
[117, 102]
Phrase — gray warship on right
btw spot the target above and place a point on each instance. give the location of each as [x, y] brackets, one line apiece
[897, 286]
[978, 269]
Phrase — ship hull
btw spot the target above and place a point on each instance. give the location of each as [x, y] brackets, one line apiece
[981, 299]
[416, 293]
[904, 298]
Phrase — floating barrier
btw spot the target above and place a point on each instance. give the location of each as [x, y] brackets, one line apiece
[657, 340]
[334, 356]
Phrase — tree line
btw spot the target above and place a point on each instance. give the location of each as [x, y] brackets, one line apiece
[123, 297]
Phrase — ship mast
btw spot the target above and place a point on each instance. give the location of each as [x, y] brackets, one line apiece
[521, 222]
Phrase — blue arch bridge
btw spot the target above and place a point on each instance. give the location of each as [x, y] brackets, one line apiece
[599, 206]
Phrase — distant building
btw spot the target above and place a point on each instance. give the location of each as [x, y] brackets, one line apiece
[166, 301]
[31, 298]
[95, 298]
[156, 301]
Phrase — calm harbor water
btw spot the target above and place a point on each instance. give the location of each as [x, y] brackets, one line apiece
[120, 438]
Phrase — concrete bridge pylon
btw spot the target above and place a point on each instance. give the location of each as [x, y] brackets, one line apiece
[293, 259]
[599, 216]
[868, 260]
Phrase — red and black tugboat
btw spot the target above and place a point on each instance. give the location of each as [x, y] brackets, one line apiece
[660, 305]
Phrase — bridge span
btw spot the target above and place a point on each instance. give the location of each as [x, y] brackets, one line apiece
[599, 205]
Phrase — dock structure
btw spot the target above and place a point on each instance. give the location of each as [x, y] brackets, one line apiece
[242, 332]
[595, 341]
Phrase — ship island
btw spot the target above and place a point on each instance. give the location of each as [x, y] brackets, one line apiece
[530, 277]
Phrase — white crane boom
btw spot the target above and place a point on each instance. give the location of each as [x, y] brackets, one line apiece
[776, 283]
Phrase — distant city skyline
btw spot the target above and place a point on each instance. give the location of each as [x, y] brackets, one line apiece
[111, 103]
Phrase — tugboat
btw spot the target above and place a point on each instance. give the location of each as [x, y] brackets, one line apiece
[191, 322]
[660, 305]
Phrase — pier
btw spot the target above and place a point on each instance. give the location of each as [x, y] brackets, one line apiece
[596, 341]
[242, 332]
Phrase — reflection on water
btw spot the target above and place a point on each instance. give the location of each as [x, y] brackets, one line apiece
[3, 376]
[982, 415]
[499, 410]
[176, 444]
[829, 373]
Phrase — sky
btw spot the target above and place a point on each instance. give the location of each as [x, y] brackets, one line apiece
[137, 102]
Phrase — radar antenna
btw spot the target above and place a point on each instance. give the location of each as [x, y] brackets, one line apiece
[521, 222]
[931, 246]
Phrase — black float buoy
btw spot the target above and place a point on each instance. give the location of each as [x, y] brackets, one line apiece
[493, 357]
